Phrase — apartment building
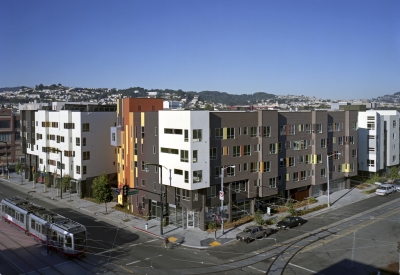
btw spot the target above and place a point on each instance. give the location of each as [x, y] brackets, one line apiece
[379, 145]
[10, 135]
[70, 138]
[264, 155]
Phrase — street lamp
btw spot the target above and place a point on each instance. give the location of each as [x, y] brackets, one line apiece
[60, 151]
[327, 167]
[161, 191]
[221, 197]
[8, 173]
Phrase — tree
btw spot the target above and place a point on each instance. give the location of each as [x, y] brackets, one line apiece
[394, 173]
[209, 107]
[102, 190]
[19, 168]
[66, 181]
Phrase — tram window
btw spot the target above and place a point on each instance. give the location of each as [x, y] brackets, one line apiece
[13, 213]
[21, 218]
[2, 208]
[79, 238]
[68, 242]
[54, 235]
[38, 228]
[33, 224]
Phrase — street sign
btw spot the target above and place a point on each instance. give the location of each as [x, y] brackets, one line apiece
[221, 195]
[117, 191]
[133, 192]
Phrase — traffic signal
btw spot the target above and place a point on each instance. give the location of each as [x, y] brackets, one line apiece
[125, 190]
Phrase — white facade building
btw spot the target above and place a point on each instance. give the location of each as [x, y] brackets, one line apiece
[184, 148]
[80, 136]
[378, 132]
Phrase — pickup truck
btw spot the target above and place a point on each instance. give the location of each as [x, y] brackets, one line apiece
[253, 232]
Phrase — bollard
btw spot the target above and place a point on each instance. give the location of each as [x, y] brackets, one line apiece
[146, 225]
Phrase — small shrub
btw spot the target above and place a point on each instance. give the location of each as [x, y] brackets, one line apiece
[239, 222]
[211, 226]
[312, 200]
[270, 221]
[258, 218]
[370, 191]
[316, 208]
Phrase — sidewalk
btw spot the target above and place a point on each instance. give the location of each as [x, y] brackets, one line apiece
[190, 237]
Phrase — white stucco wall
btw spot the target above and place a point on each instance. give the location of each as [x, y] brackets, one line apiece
[185, 120]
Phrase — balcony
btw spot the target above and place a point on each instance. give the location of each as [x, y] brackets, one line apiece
[116, 136]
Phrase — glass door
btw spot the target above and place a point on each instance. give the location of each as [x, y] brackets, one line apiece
[190, 219]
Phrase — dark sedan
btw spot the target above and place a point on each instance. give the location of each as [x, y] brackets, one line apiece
[290, 222]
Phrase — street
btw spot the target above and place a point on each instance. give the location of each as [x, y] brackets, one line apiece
[356, 239]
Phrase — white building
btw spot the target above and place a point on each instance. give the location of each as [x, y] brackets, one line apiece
[184, 145]
[78, 132]
[378, 132]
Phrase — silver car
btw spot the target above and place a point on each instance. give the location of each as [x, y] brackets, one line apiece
[385, 189]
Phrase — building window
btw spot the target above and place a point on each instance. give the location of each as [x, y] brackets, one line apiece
[195, 195]
[78, 141]
[247, 150]
[323, 143]
[282, 130]
[245, 166]
[217, 171]
[135, 149]
[323, 173]
[257, 147]
[186, 136]
[197, 135]
[236, 151]
[85, 127]
[319, 158]
[195, 156]
[230, 133]
[394, 158]
[213, 153]
[394, 123]
[185, 195]
[84, 170]
[253, 131]
[154, 149]
[319, 128]
[281, 162]
[291, 161]
[218, 133]
[83, 141]
[155, 131]
[272, 183]
[340, 140]
[142, 132]
[178, 172]
[330, 127]
[230, 171]
[267, 166]
[272, 148]
[144, 166]
[254, 167]
[143, 182]
[86, 155]
[351, 139]
[354, 153]
[267, 131]
[245, 130]
[78, 169]
[296, 176]
[370, 162]
[211, 191]
[225, 150]
[197, 176]
[371, 125]
[186, 176]
[354, 126]
[184, 156]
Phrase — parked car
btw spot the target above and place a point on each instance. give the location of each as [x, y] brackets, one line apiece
[253, 232]
[290, 222]
[397, 187]
[385, 189]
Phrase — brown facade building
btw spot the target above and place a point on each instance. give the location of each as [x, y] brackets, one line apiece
[10, 133]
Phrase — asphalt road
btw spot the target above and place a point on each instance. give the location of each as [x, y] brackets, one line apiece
[113, 248]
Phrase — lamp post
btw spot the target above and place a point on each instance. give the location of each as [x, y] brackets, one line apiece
[8, 173]
[221, 197]
[161, 191]
[60, 151]
[327, 168]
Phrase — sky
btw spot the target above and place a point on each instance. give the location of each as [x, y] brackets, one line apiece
[331, 49]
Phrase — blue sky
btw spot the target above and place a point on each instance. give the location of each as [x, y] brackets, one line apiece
[331, 49]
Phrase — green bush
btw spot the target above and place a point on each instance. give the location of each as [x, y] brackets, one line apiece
[258, 218]
[316, 208]
[370, 191]
[212, 226]
[312, 200]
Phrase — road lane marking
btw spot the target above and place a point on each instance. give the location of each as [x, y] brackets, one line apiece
[151, 241]
[262, 271]
[309, 270]
[144, 260]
